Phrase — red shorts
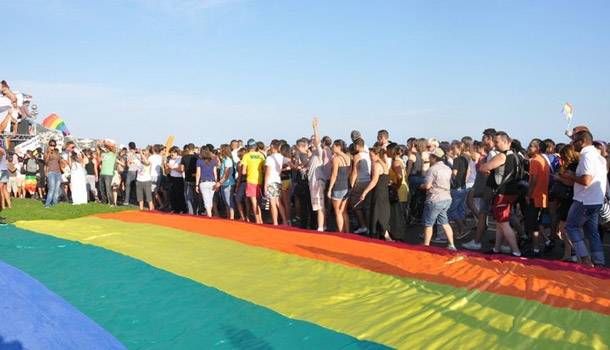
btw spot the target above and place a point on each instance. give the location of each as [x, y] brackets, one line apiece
[253, 190]
[501, 207]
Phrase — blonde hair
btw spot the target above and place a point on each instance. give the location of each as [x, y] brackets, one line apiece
[432, 142]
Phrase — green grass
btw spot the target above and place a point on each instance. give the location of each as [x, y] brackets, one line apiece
[27, 209]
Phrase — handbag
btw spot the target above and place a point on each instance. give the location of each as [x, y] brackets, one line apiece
[561, 191]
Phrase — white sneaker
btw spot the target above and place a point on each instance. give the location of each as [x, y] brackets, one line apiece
[505, 249]
[387, 237]
[452, 248]
[472, 245]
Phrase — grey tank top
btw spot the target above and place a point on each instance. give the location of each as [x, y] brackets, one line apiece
[342, 181]
[364, 168]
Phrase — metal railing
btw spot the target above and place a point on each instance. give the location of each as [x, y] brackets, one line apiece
[17, 137]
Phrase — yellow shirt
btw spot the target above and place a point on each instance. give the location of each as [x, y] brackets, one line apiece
[254, 162]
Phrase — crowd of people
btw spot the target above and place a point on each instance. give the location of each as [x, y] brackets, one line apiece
[536, 196]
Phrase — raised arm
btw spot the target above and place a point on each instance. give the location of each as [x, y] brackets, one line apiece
[316, 133]
[144, 160]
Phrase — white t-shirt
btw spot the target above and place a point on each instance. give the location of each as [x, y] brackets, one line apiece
[274, 162]
[472, 173]
[143, 172]
[316, 165]
[155, 165]
[235, 162]
[234, 156]
[593, 164]
[174, 165]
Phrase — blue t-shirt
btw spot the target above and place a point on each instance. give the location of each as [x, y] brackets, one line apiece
[206, 170]
[227, 165]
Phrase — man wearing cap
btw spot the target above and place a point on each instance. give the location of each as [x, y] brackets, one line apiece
[590, 181]
[252, 167]
[438, 197]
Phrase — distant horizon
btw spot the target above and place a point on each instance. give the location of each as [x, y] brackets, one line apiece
[210, 71]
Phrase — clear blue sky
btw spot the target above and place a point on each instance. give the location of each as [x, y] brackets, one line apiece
[211, 70]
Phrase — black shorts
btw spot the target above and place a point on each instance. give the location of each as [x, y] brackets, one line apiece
[533, 218]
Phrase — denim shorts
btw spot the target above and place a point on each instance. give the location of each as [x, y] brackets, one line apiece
[4, 176]
[436, 213]
[339, 195]
[457, 210]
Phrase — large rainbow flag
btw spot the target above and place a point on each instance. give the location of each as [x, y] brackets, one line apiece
[158, 281]
[54, 122]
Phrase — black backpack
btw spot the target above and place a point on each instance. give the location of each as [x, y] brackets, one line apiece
[518, 174]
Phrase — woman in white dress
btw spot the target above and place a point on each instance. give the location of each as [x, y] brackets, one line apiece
[78, 181]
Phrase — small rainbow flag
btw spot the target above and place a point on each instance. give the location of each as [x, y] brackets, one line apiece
[53, 121]
[568, 110]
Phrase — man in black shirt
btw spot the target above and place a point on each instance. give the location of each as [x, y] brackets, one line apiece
[188, 164]
[502, 171]
[457, 210]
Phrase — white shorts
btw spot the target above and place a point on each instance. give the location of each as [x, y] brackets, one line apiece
[316, 191]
